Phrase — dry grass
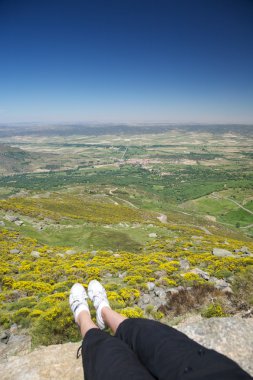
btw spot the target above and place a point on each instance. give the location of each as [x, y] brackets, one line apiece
[194, 299]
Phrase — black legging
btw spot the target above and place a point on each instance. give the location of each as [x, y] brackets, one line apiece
[143, 349]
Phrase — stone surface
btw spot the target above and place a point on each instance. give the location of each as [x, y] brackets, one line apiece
[35, 254]
[70, 252]
[4, 337]
[11, 218]
[152, 235]
[2, 224]
[155, 297]
[15, 344]
[201, 273]
[150, 285]
[219, 283]
[243, 250]
[19, 222]
[160, 292]
[232, 337]
[14, 251]
[53, 362]
[219, 252]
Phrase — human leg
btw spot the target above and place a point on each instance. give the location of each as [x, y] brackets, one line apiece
[108, 358]
[169, 354]
[111, 318]
[164, 351]
[104, 357]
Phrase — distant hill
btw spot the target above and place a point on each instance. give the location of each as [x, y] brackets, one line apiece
[119, 129]
[13, 160]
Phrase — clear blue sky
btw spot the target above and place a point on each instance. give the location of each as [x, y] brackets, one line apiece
[126, 60]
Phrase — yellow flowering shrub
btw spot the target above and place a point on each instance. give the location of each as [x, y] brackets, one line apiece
[192, 278]
[35, 290]
[132, 312]
[54, 326]
[32, 287]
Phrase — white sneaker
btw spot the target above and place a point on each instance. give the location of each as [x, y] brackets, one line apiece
[98, 296]
[78, 300]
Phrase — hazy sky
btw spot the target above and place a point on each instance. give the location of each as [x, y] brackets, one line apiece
[126, 60]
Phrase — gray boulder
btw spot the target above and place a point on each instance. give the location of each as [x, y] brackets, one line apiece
[146, 299]
[150, 285]
[156, 297]
[11, 218]
[219, 283]
[161, 293]
[35, 254]
[14, 251]
[19, 222]
[244, 250]
[201, 273]
[70, 252]
[220, 252]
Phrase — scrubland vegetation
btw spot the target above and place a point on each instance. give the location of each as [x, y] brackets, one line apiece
[130, 211]
[35, 281]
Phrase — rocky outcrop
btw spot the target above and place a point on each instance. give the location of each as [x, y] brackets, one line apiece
[230, 336]
[52, 362]
[11, 345]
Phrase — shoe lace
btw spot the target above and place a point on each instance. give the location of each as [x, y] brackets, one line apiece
[79, 352]
[99, 296]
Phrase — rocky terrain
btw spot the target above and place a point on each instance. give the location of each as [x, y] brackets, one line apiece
[163, 220]
[230, 336]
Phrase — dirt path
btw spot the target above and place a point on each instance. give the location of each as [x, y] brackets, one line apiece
[127, 202]
[238, 204]
[215, 196]
[111, 192]
[249, 226]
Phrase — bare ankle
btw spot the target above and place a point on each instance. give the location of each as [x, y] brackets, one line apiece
[103, 312]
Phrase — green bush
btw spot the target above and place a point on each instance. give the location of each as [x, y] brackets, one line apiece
[28, 302]
[243, 288]
[5, 321]
[223, 273]
[213, 310]
[21, 317]
[55, 326]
